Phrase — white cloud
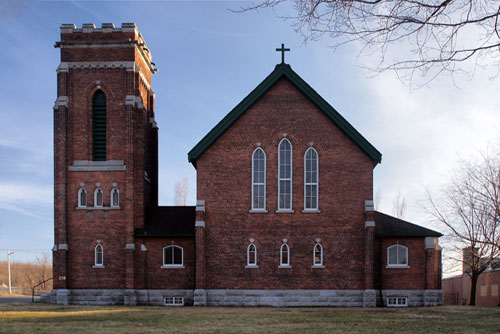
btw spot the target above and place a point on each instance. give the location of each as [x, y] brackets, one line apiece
[22, 198]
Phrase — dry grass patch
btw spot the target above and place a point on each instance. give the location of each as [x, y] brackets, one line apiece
[55, 319]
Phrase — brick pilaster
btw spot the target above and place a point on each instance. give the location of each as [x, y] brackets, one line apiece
[200, 297]
[369, 246]
[60, 268]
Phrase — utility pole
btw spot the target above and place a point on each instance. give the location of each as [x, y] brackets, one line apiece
[9, 253]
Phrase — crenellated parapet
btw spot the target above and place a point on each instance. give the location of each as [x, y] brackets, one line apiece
[126, 37]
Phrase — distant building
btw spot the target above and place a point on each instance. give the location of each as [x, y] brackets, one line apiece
[284, 213]
[456, 289]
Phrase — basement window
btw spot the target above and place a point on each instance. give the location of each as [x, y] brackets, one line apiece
[173, 301]
[397, 301]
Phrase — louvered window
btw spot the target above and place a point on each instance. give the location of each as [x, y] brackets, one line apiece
[99, 126]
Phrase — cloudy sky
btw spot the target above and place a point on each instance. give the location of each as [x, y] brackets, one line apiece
[209, 59]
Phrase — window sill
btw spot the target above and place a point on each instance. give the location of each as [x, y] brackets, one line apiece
[98, 208]
[284, 211]
[258, 211]
[174, 266]
[318, 266]
[311, 211]
[285, 266]
[250, 266]
[397, 267]
[98, 266]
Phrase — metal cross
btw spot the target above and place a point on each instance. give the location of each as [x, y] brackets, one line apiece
[283, 50]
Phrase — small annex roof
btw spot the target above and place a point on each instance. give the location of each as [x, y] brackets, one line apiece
[283, 70]
[169, 221]
[389, 226]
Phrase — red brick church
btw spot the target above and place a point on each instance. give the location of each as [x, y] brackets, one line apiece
[284, 213]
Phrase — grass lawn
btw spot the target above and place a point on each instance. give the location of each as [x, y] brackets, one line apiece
[55, 319]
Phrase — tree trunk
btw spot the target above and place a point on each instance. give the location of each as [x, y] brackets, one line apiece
[473, 285]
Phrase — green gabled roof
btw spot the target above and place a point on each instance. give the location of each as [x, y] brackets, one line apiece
[283, 70]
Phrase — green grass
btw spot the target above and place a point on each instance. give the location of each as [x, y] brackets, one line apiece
[55, 319]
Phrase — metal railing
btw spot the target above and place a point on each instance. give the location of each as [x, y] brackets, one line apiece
[33, 289]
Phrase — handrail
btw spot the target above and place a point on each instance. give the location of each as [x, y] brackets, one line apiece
[33, 289]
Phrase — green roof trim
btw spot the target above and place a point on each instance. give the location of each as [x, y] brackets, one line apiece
[283, 70]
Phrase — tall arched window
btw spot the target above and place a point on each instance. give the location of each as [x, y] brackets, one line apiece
[251, 255]
[115, 198]
[98, 198]
[82, 198]
[285, 175]
[258, 179]
[397, 256]
[318, 255]
[99, 256]
[173, 256]
[284, 255]
[311, 179]
[99, 126]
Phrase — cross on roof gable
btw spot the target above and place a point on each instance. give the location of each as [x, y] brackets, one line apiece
[286, 71]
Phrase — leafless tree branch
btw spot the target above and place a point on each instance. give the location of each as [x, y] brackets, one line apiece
[440, 34]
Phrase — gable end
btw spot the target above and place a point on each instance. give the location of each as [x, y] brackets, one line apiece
[286, 71]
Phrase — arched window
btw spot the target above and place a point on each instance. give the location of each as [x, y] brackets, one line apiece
[98, 198]
[285, 175]
[318, 255]
[82, 198]
[251, 255]
[311, 179]
[258, 179]
[99, 126]
[173, 256]
[397, 256]
[115, 198]
[284, 255]
[99, 256]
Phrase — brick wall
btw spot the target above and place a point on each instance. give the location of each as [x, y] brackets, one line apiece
[393, 278]
[150, 275]
[224, 181]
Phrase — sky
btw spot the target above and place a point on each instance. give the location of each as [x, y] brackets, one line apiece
[209, 58]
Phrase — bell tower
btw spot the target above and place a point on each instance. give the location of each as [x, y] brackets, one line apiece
[105, 157]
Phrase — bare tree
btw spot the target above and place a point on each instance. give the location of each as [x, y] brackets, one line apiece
[399, 205]
[181, 192]
[437, 35]
[469, 208]
[45, 269]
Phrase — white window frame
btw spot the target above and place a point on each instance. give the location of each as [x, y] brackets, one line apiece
[248, 256]
[290, 209]
[311, 183]
[111, 197]
[80, 191]
[173, 265]
[396, 265]
[287, 264]
[258, 184]
[314, 255]
[95, 198]
[173, 301]
[96, 256]
[397, 301]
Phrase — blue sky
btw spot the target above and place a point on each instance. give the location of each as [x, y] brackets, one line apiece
[209, 59]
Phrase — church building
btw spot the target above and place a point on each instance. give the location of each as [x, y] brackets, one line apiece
[284, 213]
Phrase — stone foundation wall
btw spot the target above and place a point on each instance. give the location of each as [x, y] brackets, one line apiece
[414, 297]
[282, 298]
[115, 297]
[276, 298]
